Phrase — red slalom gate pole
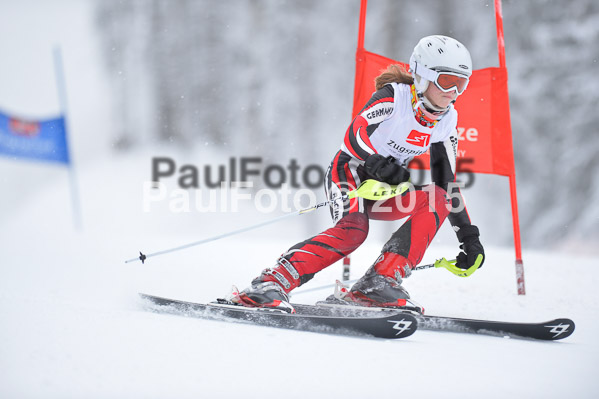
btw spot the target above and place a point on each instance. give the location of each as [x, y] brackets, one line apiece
[512, 176]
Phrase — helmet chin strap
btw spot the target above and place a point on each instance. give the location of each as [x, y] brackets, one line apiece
[430, 107]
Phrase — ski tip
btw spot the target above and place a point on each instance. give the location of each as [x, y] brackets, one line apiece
[401, 325]
[559, 328]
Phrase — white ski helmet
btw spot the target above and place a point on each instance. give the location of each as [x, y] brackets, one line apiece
[434, 54]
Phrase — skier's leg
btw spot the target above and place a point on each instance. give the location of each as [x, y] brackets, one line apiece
[302, 261]
[427, 208]
[316, 253]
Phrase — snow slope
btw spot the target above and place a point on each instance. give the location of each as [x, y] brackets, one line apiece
[72, 325]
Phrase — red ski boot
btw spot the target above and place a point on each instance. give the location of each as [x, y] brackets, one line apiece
[381, 286]
[270, 289]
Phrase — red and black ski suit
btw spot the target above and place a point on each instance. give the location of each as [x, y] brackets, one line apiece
[387, 125]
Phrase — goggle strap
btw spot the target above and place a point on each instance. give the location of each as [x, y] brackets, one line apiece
[425, 72]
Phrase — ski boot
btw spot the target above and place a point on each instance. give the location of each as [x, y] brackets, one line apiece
[380, 287]
[270, 289]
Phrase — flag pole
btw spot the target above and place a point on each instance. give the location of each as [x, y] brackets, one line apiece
[358, 76]
[515, 219]
[62, 98]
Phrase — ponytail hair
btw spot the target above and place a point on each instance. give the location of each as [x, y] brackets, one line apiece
[394, 73]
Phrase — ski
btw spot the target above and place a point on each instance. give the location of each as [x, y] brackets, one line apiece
[357, 320]
[549, 331]
[344, 321]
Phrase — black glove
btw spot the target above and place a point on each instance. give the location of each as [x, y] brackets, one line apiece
[385, 169]
[471, 246]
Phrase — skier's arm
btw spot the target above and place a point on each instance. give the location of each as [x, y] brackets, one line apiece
[443, 172]
[379, 107]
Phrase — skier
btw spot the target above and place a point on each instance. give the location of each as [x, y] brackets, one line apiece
[410, 113]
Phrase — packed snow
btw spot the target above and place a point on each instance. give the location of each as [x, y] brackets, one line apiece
[72, 324]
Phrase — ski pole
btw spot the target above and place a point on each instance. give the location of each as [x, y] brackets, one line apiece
[422, 267]
[450, 265]
[322, 287]
[143, 257]
[369, 189]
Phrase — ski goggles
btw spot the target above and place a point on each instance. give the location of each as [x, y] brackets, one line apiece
[444, 80]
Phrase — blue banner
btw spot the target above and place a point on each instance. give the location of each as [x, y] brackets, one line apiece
[39, 140]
